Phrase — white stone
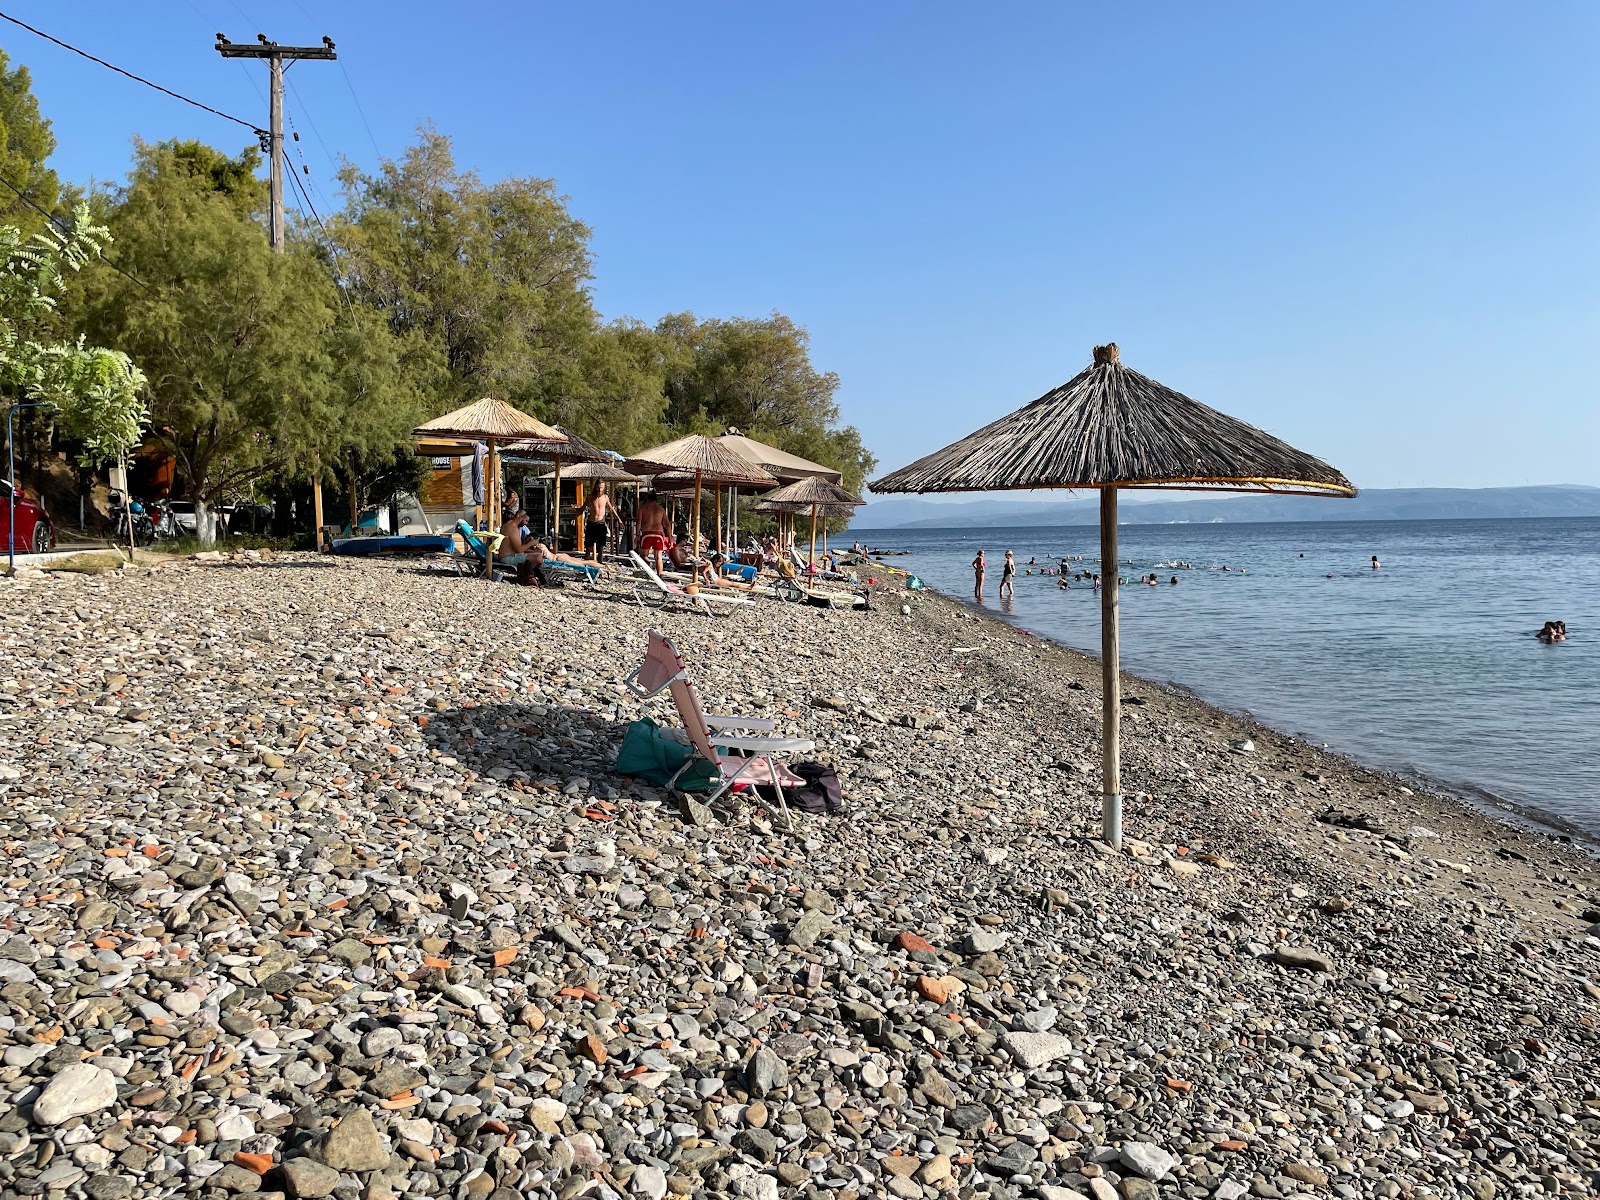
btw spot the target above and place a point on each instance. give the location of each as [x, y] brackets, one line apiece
[1148, 1159]
[649, 1182]
[75, 1091]
[460, 993]
[1036, 1049]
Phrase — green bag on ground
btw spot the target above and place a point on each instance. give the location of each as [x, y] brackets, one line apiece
[654, 754]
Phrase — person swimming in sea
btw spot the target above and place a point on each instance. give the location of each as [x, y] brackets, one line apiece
[1375, 563]
[1553, 631]
[1173, 581]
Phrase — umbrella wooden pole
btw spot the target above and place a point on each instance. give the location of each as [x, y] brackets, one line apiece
[1111, 678]
[491, 485]
[721, 542]
[555, 526]
[694, 536]
[578, 499]
[811, 558]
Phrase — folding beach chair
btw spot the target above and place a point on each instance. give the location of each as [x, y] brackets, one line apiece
[654, 592]
[471, 561]
[754, 759]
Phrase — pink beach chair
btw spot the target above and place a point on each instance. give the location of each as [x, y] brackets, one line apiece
[729, 743]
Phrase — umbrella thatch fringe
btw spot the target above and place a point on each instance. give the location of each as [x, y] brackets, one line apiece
[1111, 426]
[693, 453]
[806, 492]
[567, 445]
[489, 418]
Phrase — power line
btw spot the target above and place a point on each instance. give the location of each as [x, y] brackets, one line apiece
[136, 78]
[359, 109]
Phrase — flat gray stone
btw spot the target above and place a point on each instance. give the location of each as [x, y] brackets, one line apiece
[1036, 1049]
[75, 1091]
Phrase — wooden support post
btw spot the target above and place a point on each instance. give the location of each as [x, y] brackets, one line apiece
[316, 509]
[694, 537]
[555, 520]
[811, 558]
[578, 499]
[1110, 677]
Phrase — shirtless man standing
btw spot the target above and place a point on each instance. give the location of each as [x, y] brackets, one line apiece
[653, 539]
[597, 511]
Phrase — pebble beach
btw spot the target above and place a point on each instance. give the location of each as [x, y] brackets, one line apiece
[320, 881]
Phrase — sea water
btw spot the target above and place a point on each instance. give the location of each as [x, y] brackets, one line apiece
[1427, 666]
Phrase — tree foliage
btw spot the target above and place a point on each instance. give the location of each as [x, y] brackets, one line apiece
[255, 366]
[97, 392]
[25, 143]
[756, 375]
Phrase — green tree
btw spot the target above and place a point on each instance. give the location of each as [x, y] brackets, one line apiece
[756, 375]
[97, 392]
[256, 368]
[492, 279]
[25, 143]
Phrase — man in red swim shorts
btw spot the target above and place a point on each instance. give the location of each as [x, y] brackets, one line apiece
[654, 541]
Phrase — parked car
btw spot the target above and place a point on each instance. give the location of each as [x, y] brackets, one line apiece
[183, 517]
[35, 533]
[249, 518]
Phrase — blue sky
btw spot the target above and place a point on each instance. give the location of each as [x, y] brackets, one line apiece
[1370, 228]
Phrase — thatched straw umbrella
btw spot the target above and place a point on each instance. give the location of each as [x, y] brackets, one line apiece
[492, 421]
[780, 464]
[1110, 427]
[570, 448]
[703, 458]
[817, 495]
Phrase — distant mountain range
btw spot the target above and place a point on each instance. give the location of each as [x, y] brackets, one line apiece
[1378, 504]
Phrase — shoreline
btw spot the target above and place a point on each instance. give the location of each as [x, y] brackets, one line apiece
[1484, 803]
[334, 889]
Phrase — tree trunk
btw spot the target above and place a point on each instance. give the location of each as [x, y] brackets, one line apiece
[205, 524]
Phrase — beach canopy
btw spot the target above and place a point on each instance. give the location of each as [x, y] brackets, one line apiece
[489, 419]
[594, 472]
[697, 455]
[780, 464]
[706, 460]
[812, 493]
[1110, 427]
[565, 447]
[492, 421]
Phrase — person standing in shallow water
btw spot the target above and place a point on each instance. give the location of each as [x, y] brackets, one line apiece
[1375, 563]
[979, 566]
[1008, 575]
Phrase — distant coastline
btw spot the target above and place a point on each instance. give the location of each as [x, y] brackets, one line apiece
[1377, 504]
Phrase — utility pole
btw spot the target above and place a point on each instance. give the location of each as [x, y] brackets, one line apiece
[272, 141]
[272, 146]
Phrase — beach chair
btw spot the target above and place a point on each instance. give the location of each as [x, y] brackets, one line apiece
[471, 560]
[728, 743]
[654, 592]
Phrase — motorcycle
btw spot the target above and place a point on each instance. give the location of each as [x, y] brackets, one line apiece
[126, 513]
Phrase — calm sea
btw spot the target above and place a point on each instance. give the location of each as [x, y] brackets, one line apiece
[1427, 666]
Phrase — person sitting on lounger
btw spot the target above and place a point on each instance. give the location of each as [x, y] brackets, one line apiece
[522, 547]
[700, 568]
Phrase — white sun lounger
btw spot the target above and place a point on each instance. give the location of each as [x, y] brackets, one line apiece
[654, 592]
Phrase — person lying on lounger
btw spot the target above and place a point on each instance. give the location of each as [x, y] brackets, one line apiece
[521, 547]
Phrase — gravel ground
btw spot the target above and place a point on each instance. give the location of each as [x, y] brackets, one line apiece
[321, 882]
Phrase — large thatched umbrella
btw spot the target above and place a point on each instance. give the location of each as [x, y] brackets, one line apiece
[817, 495]
[1110, 427]
[492, 421]
[569, 448]
[704, 459]
[780, 464]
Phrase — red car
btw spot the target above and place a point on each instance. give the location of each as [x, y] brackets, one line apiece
[35, 534]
